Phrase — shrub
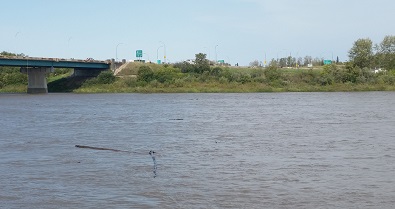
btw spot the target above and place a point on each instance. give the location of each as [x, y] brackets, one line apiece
[216, 71]
[167, 75]
[244, 78]
[185, 67]
[15, 78]
[272, 74]
[131, 82]
[308, 76]
[145, 73]
[179, 82]
[106, 77]
[223, 80]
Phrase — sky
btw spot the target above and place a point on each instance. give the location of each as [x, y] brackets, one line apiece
[236, 31]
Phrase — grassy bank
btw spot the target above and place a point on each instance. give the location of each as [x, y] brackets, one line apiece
[182, 78]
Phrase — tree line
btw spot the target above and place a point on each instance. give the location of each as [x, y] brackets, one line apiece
[362, 54]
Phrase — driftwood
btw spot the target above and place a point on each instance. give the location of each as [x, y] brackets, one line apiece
[99, 148]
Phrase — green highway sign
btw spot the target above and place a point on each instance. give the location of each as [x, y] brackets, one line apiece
[139, 53]
[327, 62]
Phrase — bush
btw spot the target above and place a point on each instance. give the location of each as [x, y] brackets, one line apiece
[185, 67]
[106, 77]
[131, 82]
[14, 78]
[272, 74]
[308, 77]
[145, 73]
[179, 83]
[216, 71]
[244, 78]
[223, 80]
[167, 75]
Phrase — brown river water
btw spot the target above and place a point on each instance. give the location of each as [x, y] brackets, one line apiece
[265, 150]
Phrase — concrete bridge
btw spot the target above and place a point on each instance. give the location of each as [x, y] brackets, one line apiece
[36, 68]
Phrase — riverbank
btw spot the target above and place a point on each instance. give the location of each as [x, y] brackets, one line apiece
[181, 78]
[152, 78]
[232, 88]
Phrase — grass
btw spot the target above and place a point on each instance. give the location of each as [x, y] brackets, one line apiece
[20, 88]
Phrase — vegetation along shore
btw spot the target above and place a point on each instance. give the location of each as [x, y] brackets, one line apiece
[371, 68]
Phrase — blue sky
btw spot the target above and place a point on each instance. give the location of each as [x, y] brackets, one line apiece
[244, 30]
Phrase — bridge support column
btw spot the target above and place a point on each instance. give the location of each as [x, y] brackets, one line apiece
[37, 82]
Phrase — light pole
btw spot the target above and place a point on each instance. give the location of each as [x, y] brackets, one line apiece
[216, 59]
[265, 59]
[116, 52]
[157, 54]
[164, 51]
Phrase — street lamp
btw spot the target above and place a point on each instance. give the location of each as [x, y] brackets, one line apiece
[164, 51]
[157, 54]
[116, 52]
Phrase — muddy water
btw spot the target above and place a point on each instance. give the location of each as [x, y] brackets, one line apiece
[287, 150]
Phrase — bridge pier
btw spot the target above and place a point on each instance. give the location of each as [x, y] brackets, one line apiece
[37, 81]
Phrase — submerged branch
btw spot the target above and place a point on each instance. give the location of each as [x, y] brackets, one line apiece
[99, 148]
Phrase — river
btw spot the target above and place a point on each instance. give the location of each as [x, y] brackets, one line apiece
[264, 150]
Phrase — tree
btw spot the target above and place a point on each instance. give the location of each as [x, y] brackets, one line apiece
[254, 63]
[201, 63]
[283, 62]
[106, 77]
[361, 54]
[307, 60]
[386, 53]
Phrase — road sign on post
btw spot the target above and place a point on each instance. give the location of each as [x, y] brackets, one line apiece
[327, 62]
[139, 53]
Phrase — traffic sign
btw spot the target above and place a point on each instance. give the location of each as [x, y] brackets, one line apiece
[139, 53]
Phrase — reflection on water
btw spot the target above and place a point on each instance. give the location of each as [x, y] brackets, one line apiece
[287, 150]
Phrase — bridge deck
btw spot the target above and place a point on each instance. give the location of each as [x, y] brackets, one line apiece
[19, 61]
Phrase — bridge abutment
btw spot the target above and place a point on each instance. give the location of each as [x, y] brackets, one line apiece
[37, 81]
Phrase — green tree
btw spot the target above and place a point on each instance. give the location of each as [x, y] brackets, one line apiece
[201, 63]
[185, 67]
[386, 53]
[361, 54]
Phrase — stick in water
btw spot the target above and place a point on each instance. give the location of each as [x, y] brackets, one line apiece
[152, 153]
[99, 148]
